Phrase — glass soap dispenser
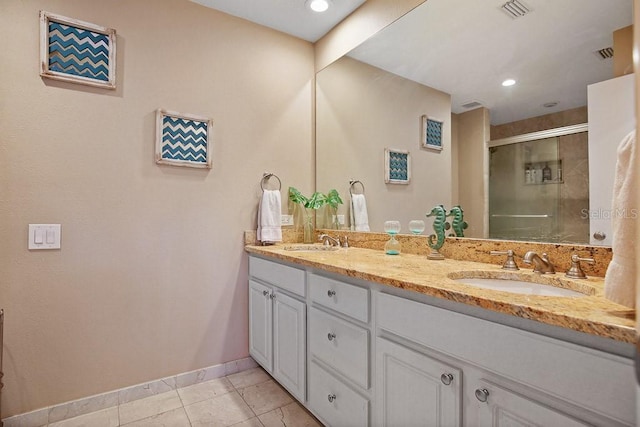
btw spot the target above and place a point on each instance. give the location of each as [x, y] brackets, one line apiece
[392, 247]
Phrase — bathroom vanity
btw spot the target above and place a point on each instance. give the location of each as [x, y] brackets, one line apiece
[364, 339]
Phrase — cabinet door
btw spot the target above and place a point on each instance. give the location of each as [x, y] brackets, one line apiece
[289, 331]
[260, 326]
[500, 407]
[414, 389]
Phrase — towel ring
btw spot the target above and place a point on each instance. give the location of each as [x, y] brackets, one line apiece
[352, 183]
[265, 178]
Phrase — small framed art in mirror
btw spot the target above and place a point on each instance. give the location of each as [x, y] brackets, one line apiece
[431, 133]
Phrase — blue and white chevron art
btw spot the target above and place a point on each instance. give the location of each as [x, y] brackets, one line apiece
[433, 133]
[398, 166]
[184, 139]
[78, 52]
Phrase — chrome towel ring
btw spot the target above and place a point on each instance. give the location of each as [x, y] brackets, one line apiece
[352, 184]
[266, 177]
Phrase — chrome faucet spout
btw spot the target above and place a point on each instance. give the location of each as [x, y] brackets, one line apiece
[328, 240]
[541, 264]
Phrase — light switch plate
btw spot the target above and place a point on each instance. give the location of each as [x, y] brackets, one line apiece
[44, 236]
[286, 219]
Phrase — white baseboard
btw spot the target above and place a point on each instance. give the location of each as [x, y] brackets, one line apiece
[85, 405]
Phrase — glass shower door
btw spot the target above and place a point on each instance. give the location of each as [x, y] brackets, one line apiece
[524, 191]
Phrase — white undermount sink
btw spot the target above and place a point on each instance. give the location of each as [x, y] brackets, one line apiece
[310, 248]
[527, 285]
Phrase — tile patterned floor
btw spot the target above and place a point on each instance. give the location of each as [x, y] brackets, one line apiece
[247, 399]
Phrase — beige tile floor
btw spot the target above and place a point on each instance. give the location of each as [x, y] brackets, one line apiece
[247, 399]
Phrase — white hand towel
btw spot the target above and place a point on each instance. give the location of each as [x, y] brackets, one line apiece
[358, 215]
[269, 217]
[620, 280]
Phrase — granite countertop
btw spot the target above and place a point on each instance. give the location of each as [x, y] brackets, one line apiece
[591, 313]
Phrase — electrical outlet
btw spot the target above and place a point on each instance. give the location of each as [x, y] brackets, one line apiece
[341, 219]
[286, 219]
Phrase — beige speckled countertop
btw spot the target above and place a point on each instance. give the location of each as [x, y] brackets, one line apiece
[592, 314]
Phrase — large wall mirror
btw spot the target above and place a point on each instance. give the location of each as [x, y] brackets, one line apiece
[446, 61]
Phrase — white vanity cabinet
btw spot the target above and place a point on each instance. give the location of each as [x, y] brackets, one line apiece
[339, 348]
[502, 407]
[509, 376]
[277, 323]
[415, 389]
[379, 356]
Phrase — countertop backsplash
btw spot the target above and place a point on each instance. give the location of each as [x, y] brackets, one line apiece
[467, 249]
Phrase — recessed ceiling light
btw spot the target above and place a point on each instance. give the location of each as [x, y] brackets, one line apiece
[318, 5]
[508, 82]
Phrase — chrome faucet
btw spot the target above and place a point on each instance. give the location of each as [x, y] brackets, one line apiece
[328, 240]
[541, 264]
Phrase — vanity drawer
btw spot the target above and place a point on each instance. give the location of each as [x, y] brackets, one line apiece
[341, 345]
[344, 298]
[282, 276]
[334, 402]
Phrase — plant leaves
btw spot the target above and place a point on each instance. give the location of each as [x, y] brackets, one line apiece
[316, 201]
[333, 198]
[296, 196]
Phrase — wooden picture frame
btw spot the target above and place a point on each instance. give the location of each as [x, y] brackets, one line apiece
[397, 166]
[432, 130]
[76, 51]
[183, 139]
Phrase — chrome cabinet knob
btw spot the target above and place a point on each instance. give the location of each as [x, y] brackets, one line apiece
[331, 336]
[265, 293]
[599, 235]
[331, 398]
[446, 379]
[482, 394]
[272, 296]
[331, 293]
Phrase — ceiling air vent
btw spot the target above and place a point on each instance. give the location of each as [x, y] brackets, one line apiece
[606, 53]
[515, 9]
[472, 104]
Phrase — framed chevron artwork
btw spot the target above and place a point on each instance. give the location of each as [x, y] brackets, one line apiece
[183, 139]
[397, 166]
[432, 133]
[76, 51]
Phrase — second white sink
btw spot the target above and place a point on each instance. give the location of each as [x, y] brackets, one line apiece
[519, 287]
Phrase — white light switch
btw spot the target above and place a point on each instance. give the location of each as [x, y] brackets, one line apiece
[44, 236]
[37, 238]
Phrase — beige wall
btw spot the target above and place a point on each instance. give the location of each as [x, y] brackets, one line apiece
[151, 279]
[623, 51]
[367, 20]
[472, 136]
[361, 110]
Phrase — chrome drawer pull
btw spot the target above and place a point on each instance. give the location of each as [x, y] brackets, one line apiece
[331, 398]
[446, 379]
[331, 293]
[482, 394]
[265, 293]
[331, 336]
[272, 296]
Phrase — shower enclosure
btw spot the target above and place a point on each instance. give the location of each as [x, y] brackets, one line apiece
[539, 187]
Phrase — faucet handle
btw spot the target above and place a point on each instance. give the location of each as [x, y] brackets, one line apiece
[509, 263]
[575, 271]
[345, 242]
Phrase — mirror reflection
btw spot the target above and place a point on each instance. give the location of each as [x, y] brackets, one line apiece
[446, 60]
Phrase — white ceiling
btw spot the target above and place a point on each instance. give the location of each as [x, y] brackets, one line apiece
[468, 47]
[289, 16]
